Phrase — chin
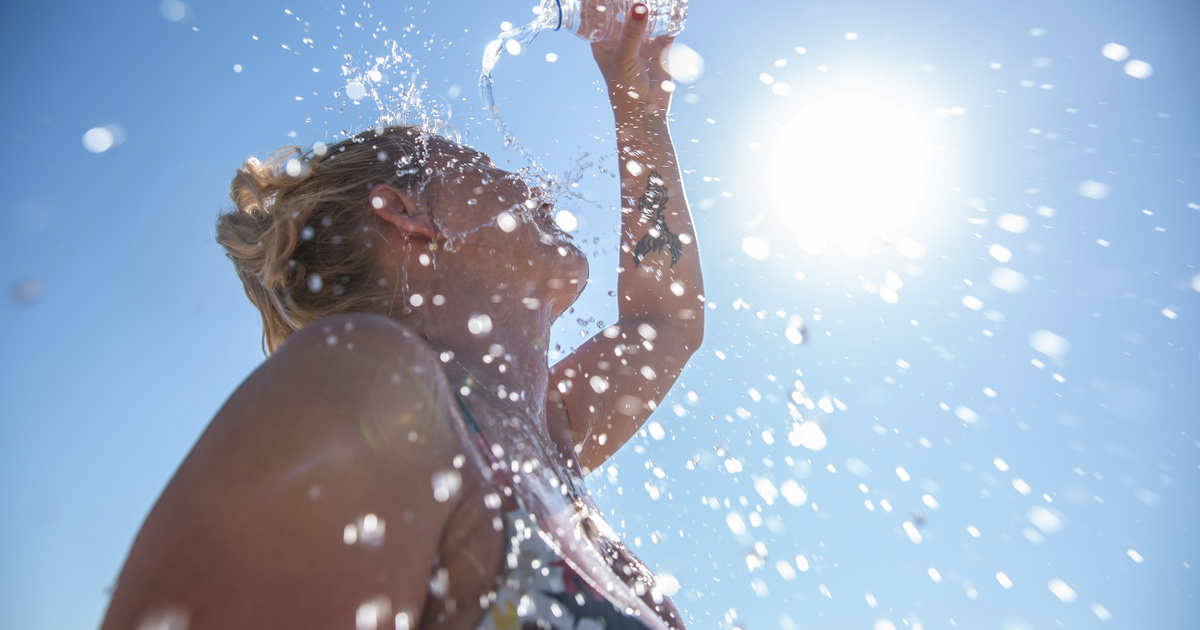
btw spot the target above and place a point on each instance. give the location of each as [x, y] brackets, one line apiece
[571, 278]
[578, 268]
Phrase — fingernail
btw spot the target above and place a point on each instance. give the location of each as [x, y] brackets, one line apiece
[640, 11]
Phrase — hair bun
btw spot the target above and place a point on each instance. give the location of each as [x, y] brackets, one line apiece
[298, 233]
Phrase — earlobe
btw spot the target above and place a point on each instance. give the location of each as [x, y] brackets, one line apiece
[396, 208]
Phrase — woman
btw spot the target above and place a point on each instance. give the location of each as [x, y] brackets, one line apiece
[408, 458]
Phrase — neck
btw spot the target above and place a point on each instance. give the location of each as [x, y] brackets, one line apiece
[494, 344]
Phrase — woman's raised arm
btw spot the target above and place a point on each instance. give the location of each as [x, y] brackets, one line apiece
[612, 383]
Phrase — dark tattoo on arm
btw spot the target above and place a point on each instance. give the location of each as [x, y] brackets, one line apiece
[659, 237]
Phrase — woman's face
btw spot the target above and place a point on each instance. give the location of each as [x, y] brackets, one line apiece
[496, 218]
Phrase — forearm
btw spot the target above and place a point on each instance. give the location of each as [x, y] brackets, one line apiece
[660, 277]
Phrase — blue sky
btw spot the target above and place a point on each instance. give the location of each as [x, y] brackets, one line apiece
[1022, 465]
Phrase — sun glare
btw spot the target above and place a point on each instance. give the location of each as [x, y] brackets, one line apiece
[850, 170]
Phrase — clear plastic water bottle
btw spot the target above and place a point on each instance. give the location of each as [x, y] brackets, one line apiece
[596, 20]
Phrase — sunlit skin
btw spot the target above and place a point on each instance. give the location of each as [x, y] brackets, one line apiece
[355, 415]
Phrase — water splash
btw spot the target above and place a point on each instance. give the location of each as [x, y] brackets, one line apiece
[511, 38]
[592, 21]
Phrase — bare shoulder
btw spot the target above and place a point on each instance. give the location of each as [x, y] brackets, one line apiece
[372, 335]
[314, 489]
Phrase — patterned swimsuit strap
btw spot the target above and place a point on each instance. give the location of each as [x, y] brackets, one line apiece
[499, 473]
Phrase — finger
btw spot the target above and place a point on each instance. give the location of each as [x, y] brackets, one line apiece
[629, 45]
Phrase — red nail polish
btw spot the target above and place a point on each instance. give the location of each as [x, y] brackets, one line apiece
[640, 11]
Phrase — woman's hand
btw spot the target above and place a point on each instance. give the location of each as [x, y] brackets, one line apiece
[635, 68]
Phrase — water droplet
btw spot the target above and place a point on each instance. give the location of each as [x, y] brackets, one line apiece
[373, 612]
[480, 325]
[98, 139]
[809, 435]
[1014, 223]
[1115, 51]
[1008, 279]
[1061, 590]
[25, 291]
[794, 494]
[1138, 69]
[766, 489]
[356, 91]
[173, 10]
[1049, 344]
[1094, 190]
[1043, 518]
[1000, 253]
[966, 414]
[446, 485]
[168, 618]
[567, 221]
[756, 248]
[368, 530]
[684, 64]
[735, 523]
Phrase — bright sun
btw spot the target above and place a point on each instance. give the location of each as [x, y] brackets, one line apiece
[851, 169]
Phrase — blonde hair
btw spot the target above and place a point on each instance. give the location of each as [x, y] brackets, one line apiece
[301, 234]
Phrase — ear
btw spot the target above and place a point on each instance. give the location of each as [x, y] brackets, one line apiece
[395, 207]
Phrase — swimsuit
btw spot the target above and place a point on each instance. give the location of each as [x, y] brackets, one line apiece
[538, 587]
